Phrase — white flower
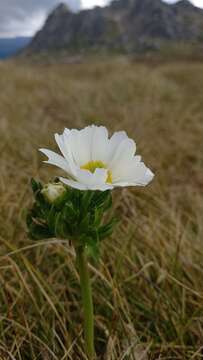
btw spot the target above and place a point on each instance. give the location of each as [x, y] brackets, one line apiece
[53, 192]
[92, 161]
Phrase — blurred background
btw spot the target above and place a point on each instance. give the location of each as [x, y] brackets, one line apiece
[134, 65]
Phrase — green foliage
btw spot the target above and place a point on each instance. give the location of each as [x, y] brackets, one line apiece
[76, 215]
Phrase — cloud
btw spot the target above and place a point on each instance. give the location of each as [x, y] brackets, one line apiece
[25, 17]
[91, 3]
[198, 3]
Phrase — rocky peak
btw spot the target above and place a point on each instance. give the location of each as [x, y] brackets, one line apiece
[60, 12]
[61, 9]
[124, 25]
[184, 4]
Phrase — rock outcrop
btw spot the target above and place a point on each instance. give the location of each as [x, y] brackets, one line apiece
[124, 25]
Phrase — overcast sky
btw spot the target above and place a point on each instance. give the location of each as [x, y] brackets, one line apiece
[25, 17]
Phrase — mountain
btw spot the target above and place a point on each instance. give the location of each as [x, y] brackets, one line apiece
[124, 25]
[10, 46]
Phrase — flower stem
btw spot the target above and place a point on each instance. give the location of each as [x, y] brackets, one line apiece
[87, 301]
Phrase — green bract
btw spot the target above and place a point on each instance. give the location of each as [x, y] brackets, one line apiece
[74, 215]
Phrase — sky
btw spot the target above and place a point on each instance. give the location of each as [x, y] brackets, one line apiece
[25, 17]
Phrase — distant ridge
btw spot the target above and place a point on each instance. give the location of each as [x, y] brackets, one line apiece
[125, 25]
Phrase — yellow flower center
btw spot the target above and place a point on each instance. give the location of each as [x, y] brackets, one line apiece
[93, 165]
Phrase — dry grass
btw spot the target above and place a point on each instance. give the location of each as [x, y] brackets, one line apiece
[148, 288]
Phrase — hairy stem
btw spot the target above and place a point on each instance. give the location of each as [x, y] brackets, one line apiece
[87, 301]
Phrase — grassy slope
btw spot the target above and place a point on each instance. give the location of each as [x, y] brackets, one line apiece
[148, 289]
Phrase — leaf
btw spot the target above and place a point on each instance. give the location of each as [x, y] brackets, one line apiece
[62, 200]
[36, 186]
[107, 229]
[98, 214]
[100, 197]
[39, 232]
[108, 203]
[93, 252]
[51, 218]
[86, 201]
[84, 225]
[59, 232]
[92, 245]
[69, 212]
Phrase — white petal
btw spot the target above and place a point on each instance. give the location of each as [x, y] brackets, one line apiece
[67, 131]
[79, 186]
[64, 145]
[103, 187]
[73, 138]
[122, 155]
[100, 176]
[79, 144]
[115, 141]
[91, 179]
[73, 184]
[95, 181]
[84, 145]
[148, 177]
[88, 181]
[88, 144]
[140, 175]
[125, 169]
[137, 175]
[56, 159]
[99, 146]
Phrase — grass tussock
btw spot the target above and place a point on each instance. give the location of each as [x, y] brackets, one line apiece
[148, 288]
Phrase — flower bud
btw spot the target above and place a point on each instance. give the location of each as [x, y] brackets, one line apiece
[53, 191]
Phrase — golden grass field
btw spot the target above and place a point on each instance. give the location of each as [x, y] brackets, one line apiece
[148, 285]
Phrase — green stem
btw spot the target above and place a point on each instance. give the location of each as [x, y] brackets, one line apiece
[87, 301]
